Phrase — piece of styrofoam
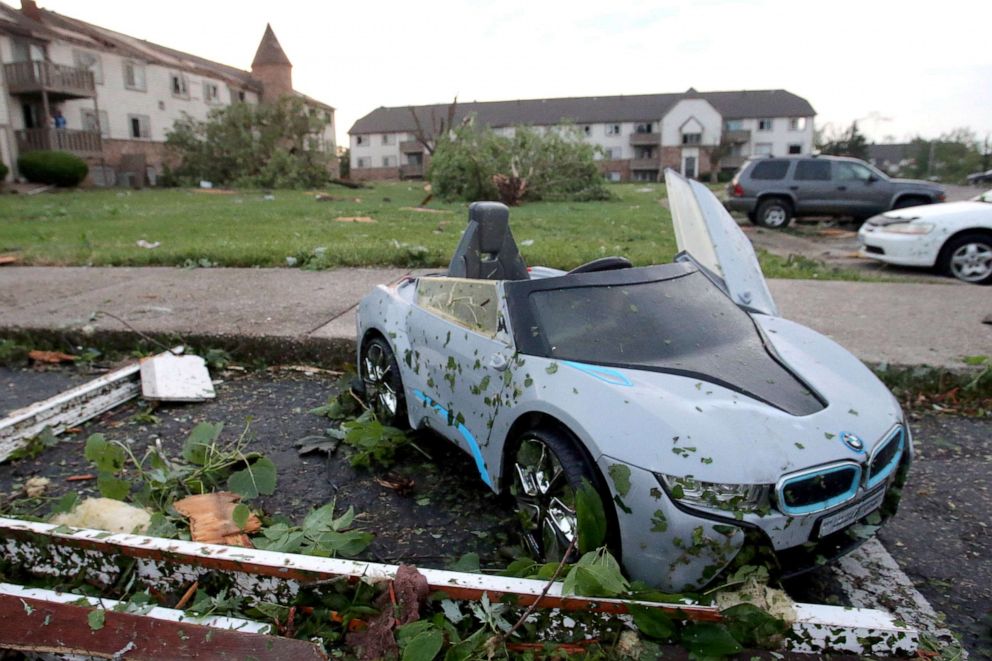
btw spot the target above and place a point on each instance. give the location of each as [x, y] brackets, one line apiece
[171, 378]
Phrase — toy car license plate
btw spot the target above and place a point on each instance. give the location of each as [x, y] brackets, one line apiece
[846, 517]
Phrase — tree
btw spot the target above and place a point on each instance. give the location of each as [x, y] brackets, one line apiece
[277, 145]
[428, 137]
[344, 163]
[849, 143]
[474, 163]
[950, 158]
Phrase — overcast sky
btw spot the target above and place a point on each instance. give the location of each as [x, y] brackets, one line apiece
[903, 68]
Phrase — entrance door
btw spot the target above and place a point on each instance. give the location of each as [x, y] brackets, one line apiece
[689, 161]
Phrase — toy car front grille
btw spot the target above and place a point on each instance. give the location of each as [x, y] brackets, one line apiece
[886, 457]
[821, 489]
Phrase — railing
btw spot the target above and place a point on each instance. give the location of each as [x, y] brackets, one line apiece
[737, 137]
[645, 163]
[645, 139]
[732, 161]
[411, 170]
[81, 143]
[411, 147]
[27, 77]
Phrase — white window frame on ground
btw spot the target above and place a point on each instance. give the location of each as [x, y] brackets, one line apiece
[388, 139]
[211, 92]
[389, 161]
[134, 75]
[89, 121]
[90, 61]
[762, 148]
[183, 85]
[144, 127]
[797, 123]
[613, 129]
[766, 124]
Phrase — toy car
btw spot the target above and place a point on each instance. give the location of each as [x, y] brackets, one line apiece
[711, 427]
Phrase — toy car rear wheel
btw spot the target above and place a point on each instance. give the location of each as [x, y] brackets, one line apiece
[547, 471]
[968, 258]
[383, 384]
[774, 213]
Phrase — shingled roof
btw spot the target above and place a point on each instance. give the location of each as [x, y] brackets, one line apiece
[269, 51]
[587, 110]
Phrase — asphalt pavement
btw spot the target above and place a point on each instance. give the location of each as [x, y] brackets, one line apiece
[895, 323]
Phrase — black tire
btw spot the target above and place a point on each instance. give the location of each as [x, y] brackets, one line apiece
[906, 202]
[382, 383]
[753, 217]
[545, 507]
[968, 257]
[774, 213]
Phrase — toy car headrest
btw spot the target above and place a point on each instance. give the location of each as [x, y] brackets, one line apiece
[487, 250]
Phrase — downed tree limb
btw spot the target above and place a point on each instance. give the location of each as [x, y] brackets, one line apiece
[347, 183]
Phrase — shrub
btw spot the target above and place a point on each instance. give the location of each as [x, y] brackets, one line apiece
[52, 167]
[3, 171]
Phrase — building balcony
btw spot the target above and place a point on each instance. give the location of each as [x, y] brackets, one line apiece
[645, 139]
[80, 143]
[728, 162]
[411, 147]
[57, 80]
[411, 170]
[645, 163]
[738, 137]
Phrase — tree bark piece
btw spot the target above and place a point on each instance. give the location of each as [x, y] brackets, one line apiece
[211, 519]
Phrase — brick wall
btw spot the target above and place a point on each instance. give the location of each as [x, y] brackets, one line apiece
[621, 166]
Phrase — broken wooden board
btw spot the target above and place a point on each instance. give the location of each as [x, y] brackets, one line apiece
[171, 565]
[171, 378]
[211, 518]
[43, 621]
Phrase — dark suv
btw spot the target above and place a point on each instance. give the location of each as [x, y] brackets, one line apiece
[771, 191]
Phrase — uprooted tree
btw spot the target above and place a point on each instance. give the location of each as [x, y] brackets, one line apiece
[471, 162]
[277, 145]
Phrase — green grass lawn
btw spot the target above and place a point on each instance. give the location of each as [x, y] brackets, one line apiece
[102, 227]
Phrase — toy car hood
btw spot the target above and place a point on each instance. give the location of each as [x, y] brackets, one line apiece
[708, 236]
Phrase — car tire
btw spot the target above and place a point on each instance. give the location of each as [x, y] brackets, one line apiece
[968, 258]
[753, 217]
[547, 470]
[382, 383]
[906, 202]
[774, 213]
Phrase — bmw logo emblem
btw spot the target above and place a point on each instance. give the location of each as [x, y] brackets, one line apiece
[852, 441]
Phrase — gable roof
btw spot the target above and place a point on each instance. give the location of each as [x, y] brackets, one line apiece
[587, 110]
[269, 51]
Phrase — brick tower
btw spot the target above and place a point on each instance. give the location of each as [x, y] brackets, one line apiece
[272, 68]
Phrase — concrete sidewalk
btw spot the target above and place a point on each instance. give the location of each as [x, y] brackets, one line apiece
[311, 313]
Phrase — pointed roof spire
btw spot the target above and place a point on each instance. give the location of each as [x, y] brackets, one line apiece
[269, 51]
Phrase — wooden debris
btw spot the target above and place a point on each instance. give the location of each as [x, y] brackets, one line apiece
[211, 519]
[347, 183]
[425, 210]
[7, 259]
[322, 197]
[354, 219]
[81, 478]
[51, 357]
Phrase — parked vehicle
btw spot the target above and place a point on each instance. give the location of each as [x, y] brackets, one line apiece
[954, 238]
[772, 191]
[709, 425]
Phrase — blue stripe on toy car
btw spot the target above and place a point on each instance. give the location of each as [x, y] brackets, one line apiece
[473, 445]
[611, 376]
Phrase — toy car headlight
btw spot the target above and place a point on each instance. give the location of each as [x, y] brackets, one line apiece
[714, 495]
[908, 228]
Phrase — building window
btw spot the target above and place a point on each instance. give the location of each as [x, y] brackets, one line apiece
[645, 175]
[211, 92]
[612, 153]
[241, 95]
[134, 75]
[362, 162]
[178, 85]
[734, 125]
[359, 140]
[139, 127]
[764, 125]
[612, 129]
[762, 149]
[389, 161]
[795, 149]
[612, 175]
[797, 123]
[388, 139]
[84, 59]
[90, 122]
[647, 127]
[692, 138]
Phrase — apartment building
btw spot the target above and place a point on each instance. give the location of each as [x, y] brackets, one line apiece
[111, 98]
[692, 132]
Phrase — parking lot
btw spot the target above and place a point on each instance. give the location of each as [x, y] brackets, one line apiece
[430, 512]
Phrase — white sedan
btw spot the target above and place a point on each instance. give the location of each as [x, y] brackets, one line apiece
[954, 238]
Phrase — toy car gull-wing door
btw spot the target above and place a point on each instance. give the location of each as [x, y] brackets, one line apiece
[710, 238]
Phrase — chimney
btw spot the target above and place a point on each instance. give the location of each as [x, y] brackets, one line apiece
[272, 68]
[30, 9]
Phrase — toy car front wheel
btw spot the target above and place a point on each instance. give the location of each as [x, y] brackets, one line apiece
[774, 213]
[382, 382]
[547, 472]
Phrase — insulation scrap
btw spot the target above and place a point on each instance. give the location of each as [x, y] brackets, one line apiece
[105, 514]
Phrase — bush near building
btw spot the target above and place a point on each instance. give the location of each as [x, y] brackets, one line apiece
[3, 171]
[52, 167]
[469, 162]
